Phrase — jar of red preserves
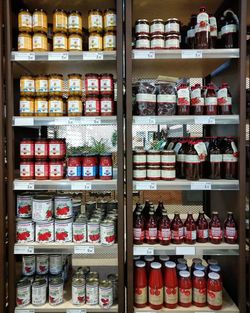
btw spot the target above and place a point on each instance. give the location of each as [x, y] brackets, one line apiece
[41, 148]
[170, 285]
[183, 100]
[153, 172]
[172, 41]
[74, 166]
[172, 26]
[107, 106]
[41, 169]
[197, 100]
[107, 84]
[92, 106]
[89, 166]
[140, 284]
[142, 42]
[106, 166]
[168, 158]
[210, 101]
[27, 149]
[214, 291]
[185, 289]
[155, 288]
[157, 27]
[57, 148]
[153, 158]
[56, 169]
[92, 84]
[199, 289]
[27, 169]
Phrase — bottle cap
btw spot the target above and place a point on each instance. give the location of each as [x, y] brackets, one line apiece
[140, 264]
[182, 261]
[199, 274]
[181, 267]
[215, 268]
[149, 258]
[212, 262]
[184, 274]
[199, 267]
[197, 260]
[164, 258]
[155, 265]
[170, 264]
[213, 275]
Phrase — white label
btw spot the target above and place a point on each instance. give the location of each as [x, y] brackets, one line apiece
[92, 56]
[200, 186]
[55, 85]
[191, 54]
[74, 121]
[42, 85]
[74, 106]
[183, 96]
[81, 186]
[192, 158]
[145, 186]
[90, 106]
[145, 97]
[23, 249]
[55, 106]
[168, 158]
[229, 158]
[143, 251]
[93, 85]
[106, 106]
[94, 42]
[96, 21]
[37, 42]
[172, 43]
[204, 119]
[185, 250]
[166, 98]
[23, 121]
[22, 56]
[213, 26]
[105, 84]
[142, 28]
[84, 250]
[190, 33]
[215, 158]
[144, 54]
[168, 174]
[202, 17]
[26, 106]
[157, 27]
[227, 29]
[42, 106]
[73, 21]
[76, 311]
[109, 41]
[110, 20]
[23, 311]
[57, 56]
[142, 43]
[172, 27]
[28, 85]
[139, 173]
[211, 101]
[26, 20]
[157, 43]
[74, 84]
[18, 185]
[59, 42]
[75, 43]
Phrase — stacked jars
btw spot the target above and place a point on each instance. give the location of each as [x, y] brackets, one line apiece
[102, 30]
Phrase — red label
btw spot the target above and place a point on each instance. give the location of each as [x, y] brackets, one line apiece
[202, 233]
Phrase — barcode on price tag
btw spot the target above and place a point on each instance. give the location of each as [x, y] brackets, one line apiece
[81, 186]
[144, 54]
[58, 56]
[143, 251]
[204, 120]
[23, 249]
[24, 121]
[145, 186]
[191, 54]
[185, 250]
[19, 185]
[25, 56]
[84, 250]
[200, 186]
[23, 311]
[92, 56]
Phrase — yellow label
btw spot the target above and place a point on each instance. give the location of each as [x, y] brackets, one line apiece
[141, 295]
[155, 295]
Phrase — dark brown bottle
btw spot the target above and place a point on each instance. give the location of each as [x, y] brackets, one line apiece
[230, 229]
[197, 100]
[202, 228]
[164, 229]
[190, 230]
[146, 209]
[183, 100]
[215, 229]
[221, 23]
[138, 228]
[215, 158]
[192, 162]
[180, 158]
[202, 31]
[230, 159]
[191, 32]
[229, 31]
[224, 99]
[213, 32]
[159, 210]
[210, 101]
[177, 230]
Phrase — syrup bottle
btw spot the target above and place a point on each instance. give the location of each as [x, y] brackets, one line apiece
[215, 229]
[230, 159]
[203, 29]
[180, 158]
[215, 157]
[151, 229]
[164, 229]
[229, 31]
[197, 100]
[177, 230]
[210, 101]
[138, 228]
[230, 229]
[191, 32]
[202, 228]
[224, 99]
[146, 209]
[190, 230]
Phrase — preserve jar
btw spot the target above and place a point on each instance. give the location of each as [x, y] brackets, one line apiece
[95, 21]
[141, 27]
[24, 21]
[41, 106]
[138, 228]
[210, 101]
[105, 166]
[170, 285]
[56, 169]
[41, 148]
[157, 27]
[109, 41]
[153, 172]
[74, 166]
[89, 166]
[202, 33]
[168, 158]
[215, 229]
[155, 288]
[185, 289]
[26, 106]
[106, 84]
[95, 42]
[27, 169]
[153, 158]
[157, 42]
[56, 84]
[41, 169]
[183, 100]
[139, 173]
[75, 22]
[142, 42]
[172, 41]
[199, 289]
[40, 42]
[140, 285]
[224, 99]
[139, 158]
[172, 26]
[177, 229]
[214, 291]
[92, 106]
[55, 106]
[24, 42]
[75, 42]
[190, 233]
[41, 85]
[92, 84]
[57, 148]
[74, 106]
[109, 20]
[60, 42]
[107, 106]
[164, 229]
[27, 86]
[27, 149]
[60, 21]
[230, 229]
[202, 228]
[197, 100]
[40, 21]
[75, 84]
[168, 173]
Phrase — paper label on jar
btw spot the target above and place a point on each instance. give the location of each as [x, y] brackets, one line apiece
[39, 295]
[109, 41]
[185, 295]
[106, 106]
[75, 43]
[55, 85]
[88, 171]
[172, 43]
[54, 149]
[74, 84]
[42, 86]
[41, 106]
[37, 42]
[229, 158]
[59, 42]
[96, 21]
[26, 20]
[214, 158]
[74, 106]
[190, 234]
[138, 234]
[157, 28]
[157, 43]
[215, 233]
[106, 171]
[25, 149]
[25, 170]
[202, 19]
[196, 93]
[214, 297]
[26, 107]
[166, 98]
[139, 173]
[192, 158]
[91, 106]
[168, 158]
[78, 294]
[213, 26]
[141, 295]
[38, 20]
[211, 101]
[169, 174]
[40, 149]
[139, 158]
[92, 294]
[41, 170]
[202, 233]
[191, 33]
[145, 97]
[55, 170]
[79, 232]
[171, 295]
[106, 84]
[73, 21]
[142, 28]
[154, 158]
[23, 295]
[55, 106]
[227, 29]
[183, 97]
[21, 42]
[164, 234]
[28, 85]
[172, 27]
[92, 84]
[110, 20]
[155, 295]
[142, 43]
[199, 295]
[95, 42]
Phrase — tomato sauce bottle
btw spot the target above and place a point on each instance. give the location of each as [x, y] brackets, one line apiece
[140, 285]
[214, 291]
[202, 228]
[215, 158]
[181, 267]
[183, 100]
[190, 230]
[170, 286]
[210, 101]
[199, 289]
[202, 30]
[151, 229]
[197, 100]
[224, 100]
[185, 289]
[138, 228]
[155, 288]
[180, 158]
[164, 229]
[230, 229]
[215, 229]
[177, 230]
[230, 160]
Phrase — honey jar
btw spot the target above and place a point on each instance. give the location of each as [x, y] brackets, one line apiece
[60, 21]
[60, 42]
[40, 42]
[24, 21]
[24, 42]
[75, 42]
[109, 41]
[75, 84]
[109, 19]
[75, 106]
[95, 21]
[40, 21]
[41, 106]
[41, 85]
[26, 106]
[95, 42]
[56, 85]
[55, 106]
[27, 85]
[75, 22]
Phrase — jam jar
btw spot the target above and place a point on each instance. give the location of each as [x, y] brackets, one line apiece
[109, 20]
[56, 169]
[75, 22]
[27, 86]
[41, 106]
[168, 173]
[157, 27]
[139, 158]
[168, 158]
[107, 106]
[75, 42]
[74, 106]
[27, 149]
[92, 106]
[74, 166]
[89, 166]
[153, 158]
[139, 173]
[55, 106]
[27, 169]
[153, 172]
[41, 149]
[24, 42]
[172, 26]
[142, 42]
[24, 21]
[75, 84]
[56, 84]
[26, 106]
[95, 21]
[172, 41]
[183, 100]
[141, 27]
[157, 42]
[95, 42]
[57, 148]
[105, 166]
[92, 84]
[60, 21]
[106, 84]
[60, 42]
[41, 85]
[40, 42]
[41, 169]
[40, 21]
[109, 41]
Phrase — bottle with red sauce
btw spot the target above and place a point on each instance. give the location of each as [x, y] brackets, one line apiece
[214, 291]
[192, 162]
[177, 229]
[106, 166]
[170, 285]
[199, 289]
[138, 228]
[180, 149]
[197, 100]
[155, 288]
[190, 230]
[183, 100]
[159, 210]
[148, 259]
[229, 31]
[164, 229]
[213, 32]
[230, 229]
[224, 99]
[191, 32]
[151, 229]
[185, 289]
[202, 228]
[74, 166]
[210, 101]
[215, 229]
[140, 285]
[230, 159]
[215, 158]
[202, 29]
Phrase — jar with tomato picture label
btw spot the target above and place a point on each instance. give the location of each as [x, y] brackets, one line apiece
[92, 106]
[41, 148]
[23, 292]
[199, 289]
[140, 284]
[63, 230]
[63, 207]
[106, 84]
[92, 84]
[24, 205]
[78, 289]
[155, 288]
[107, 232]
[27, 169]
[106, 166]
[26, 106]
[185, 289]
[183, 100]
[80, 230]
[42, 264]
[27, 149]
[89, 166]
[45, 232]
[56, 169]
[170, 285]
[92, 288]
[24, 230]
[93, 231]
[57, 148]
[107, 106]
[74, 166]
[214, 291]
[224, 99]
[41, 169]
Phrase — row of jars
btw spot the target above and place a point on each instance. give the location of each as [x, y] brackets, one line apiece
[66, 22]
[158, 41]
[157, 27]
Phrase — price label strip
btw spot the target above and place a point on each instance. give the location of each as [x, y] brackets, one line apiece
[204, 120]
[22, 56]
[23, 249]
[185, 251]
[94, 56]
[145, 186]
[24, 121]
[76, 311]
[200, 186]
[23, 311]
[84, 250]
[58, 56]
[191, 54]
[143, 251]
[74, 121]
[81, 186]
[19, 185]
[144, 54]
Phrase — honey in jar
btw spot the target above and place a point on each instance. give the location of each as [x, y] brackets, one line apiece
[26, 106]
[27, 85]
[60, 21]
[60, 42]
[75, 42]
[109, 19]
[24, 42]
[41, 85]
[109, 41]
[75, 22]
[40, 21]
[75, 106]
[40, 42]
[41, 106]
[56, 85]
[55, 106]
[75, 84]
[24, 21]
[95, 21]
[95, 42]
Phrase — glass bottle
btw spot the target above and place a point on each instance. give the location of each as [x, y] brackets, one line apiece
[191, 32]
[197, 100]
[138, 228]
[151, 229]
[183, 100]
[230, 229]
[203, 29]
[159, 210]
[214, 291]
[137, 208]
[224, 99]
[180, 158]
[210, 101]
[170, 285]
[155, 288]
[213, 32]
[229, 31]
[140, 285]
[192, 162]
[199, 289]
[148, 259]
[177, 230]
[185, 289]
[215, 229]
[146, 209]
[190, 230]
[164, 229]
[195, 261]
[202, 228]
[215, 158]
[230, 159]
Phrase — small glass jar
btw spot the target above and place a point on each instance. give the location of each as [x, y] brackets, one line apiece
[157, 42]
[41, 106]
[168, 158]
[74, 106]
[41, 169]
[141, 27]
[157, 27]
[55, 106]
[75, 22]
[168, 173]
[109, 20]
[56, 84]
[92, 84]
[27, 149]
[57, 148]
[41, 85]
[60, 21]
[172, 26]
[24, 21]
[139, 158]
[89, 166]
[95, 21]
[27, 169]
[26, 106]
[24, 42]
[172, 41]
[56, 169]
[40, 42]
[105, 166]
[60, 42]
[106, 84]
[40, 21]
[95, 42]
[75, 42]
[153, 172]
[107, 106]
[75, 84]
[92, 106]
[142, 42]
[139, 173]
[27, 85]
[153, 158]
[109, 41]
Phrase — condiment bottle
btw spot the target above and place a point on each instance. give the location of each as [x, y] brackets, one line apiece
[215, 229]
[159, 210]
[192, 162]
[181, 267]
[185, 289]
[210, 101]
[202, 29]
[170, 286]
[190, 230]
[191, 32]
[221, 23]
[180, 149]
[215, 158]
[138, 229]
[151, 229]
[195, 261]
[140, 285]
[199, 289]
[183, 100]
[230, 229]
[213, 32]
[155, 288]
[146, 209]
[229, 31]
[224, 100]
[214, 291]
[177, 230]
[202, 228]
[148, 259]
[164, 229]
[197, 100]
[230, 159]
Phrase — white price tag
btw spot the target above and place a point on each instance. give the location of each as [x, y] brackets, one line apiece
[24, 121]
[22, 56]
[143, 251]
[76, 311]
[58, 56]
[92, 121]
[191, 54]
[200, 186]
[145, 186]
[17, 310]
[140, 54]
[88, 56]
[23, 249]
[204, 120]
[84, 250]
[151, 120]
[74, 121]
[185, 250]
[81, 186]
[19, 185]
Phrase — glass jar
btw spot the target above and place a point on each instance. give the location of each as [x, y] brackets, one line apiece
[141, 27]
[27, 86]
[55, 106]
[60, 42]
[95, 21]
[185, 289]
[41, 149]
[24, 42]
[106, 166]
[40, 42]
[27, 169]
[75, 22]
[60, 21]
[168, 173]
[57, 148]
[109, 20]
[55, 169]
[172, 26]
[26, 106]
[74, 106]
[24, 21]
[190, 233]
[153, 158]
[75, 42]
[146, 104]
[95, 42]
[139, 158]
[155, 286]
[41, 85]
[211, 106]
[92, 84]
[27, 149]
[172, 41]
[139, 173]
[168, 158]
[157, 27]
[89, 166]
[214, 291]
[41, 169]
[109, 41]
[107, 106]
[56, 84]
[74, 167]
[40, 21]
[92, 106]
[157, 42]
[106, 84]
[41, 106]
[142, 42]
[75, 84]
[224, 100]
[153, 172]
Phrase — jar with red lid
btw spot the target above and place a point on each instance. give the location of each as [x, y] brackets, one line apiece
[139, 158]
[41, 169]
[172, 26]
[199, 289]
[168, 173]
[141, 27]
[157, 42]
[157, 27]
[92, 106]
[107, 84]
[74, 166]
[27, 169]
[57, 148]
[56, 169]
[139, 173]
[107, 106]
[153, 172]
[92, 84]
[105, 166]
[27, 149]
[172, 41]
[153, 158]
[89, 166]
[185, 289]
[183, 100]
[142, 42]
[41, 148]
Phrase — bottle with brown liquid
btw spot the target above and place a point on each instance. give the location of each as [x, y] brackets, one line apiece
[159, 210]
[230, 229]
[183, 100]
[210, 101]
[215, 229]
[224, 99]
[191, 32]
[190, 230]
[180, 158]
[215, 158]
[213, 32]
[164, 229]
[151, 228]
[138, 228]
[202, 228]
[177, 230]
[192, 162]
[229, 31]
[230, 159]
[203, 29]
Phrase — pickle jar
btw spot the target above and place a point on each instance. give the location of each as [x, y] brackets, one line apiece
[56, 84]
[75, 106]
[60, 21]
[60, 42]
[40, 21]
[75, 42]
[95, 21]
[55, 106]
[109, 19]
[41, 106]
[24, 21]
[27, 85]
[75, 22]
[40, 42]
[26, 106]
[24, 42]
[95, 42]
[75, 84]
[109, 41]
[41, 85]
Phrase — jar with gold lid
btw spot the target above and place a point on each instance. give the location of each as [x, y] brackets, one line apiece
[40, 21]
[55, 106]
[41, 106]
[109, 19]
[75, 106]
[60, 21]
[41, 85]
[95, 42]
[75, 84]
[60, 42]
[40, 42]
[27, 85]
[24, 42]
[75, 42]
[26, 106]
[56, 84]
[109, 41]
[75, 22]
[24, 21]
[95, 21]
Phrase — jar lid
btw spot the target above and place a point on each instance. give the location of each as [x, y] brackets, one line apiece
[24, 10]
[149, 258]
[140, 264]
[107, 10]
[95, 10]
[74, 74]
[136, 257]
[170, 264]
[168, 152]
[155, 265]
[153, 152]
[41, 75]
[164, 258]
[139, 152]
[42, 198]
[199, 267]
[199, 274]
[197, 260]
[154, 36]
[141, 36]
[215, 268]
[181, 260]
[156, 20]
[59, 10]
[75, 11]
[172, 19]
[142, 20]
[213, 275]
[181, 267]
[184, 274]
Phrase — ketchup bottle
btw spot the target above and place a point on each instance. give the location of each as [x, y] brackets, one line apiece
[199, 289]
[177, 230]
[230, 229]
[159, 210]
[203, 29]
[185, 289]
[229, 31]
[214, 291]
[180, 158]
[190, 230]
[192, 162]
[170, 286]
[151, 229]
[213, 32]
[215, 229]
[202, 228]
[210, 101]
[197, 100]
[138, 228]
[140, 285]
[230, 160]
[215, 157]
[224, 100]
[183, 100]
[164, 229]
[155, 290]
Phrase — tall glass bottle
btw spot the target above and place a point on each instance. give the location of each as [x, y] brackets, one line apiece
[151, 229]
[138, 228]
[155, 288]
[202, 228]
[177, 230]
[224, 99]
[230, 229]
[190, 230]
[164, 229]
[140, 284]
[203, 29]
[215, 158]
[215, 229]
[229, 31]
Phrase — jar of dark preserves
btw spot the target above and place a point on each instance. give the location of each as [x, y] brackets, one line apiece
[166, 99]
[197, 100]
[213, 32]
[202, 30]
[146, 103]
[142, 42]
[192, 162]
[230, 159]
[172, 41]
[157, 42]
[141, 27]
[157, 27]
[92, 84]
[183, 100]
[172, 26]
[215, 160]
[224, 100]
[210, 101]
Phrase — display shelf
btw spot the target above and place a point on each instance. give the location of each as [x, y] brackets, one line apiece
[183, 184]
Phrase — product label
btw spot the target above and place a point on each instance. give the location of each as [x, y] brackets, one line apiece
[139, 158]
[92, 84]
[74, 171]
[215, 233]
[55, 264]
[26, 149]
[215, 158]
[157, 43]
[74, 22]
[227, 29]
[89, 171]
[155, 295]
[153, 173]
[202, 21]
[185, 295]
[37, 42]
[168, 174]
[151, 233]
[79, 232]
[190, 234]
[192, 158]
[21, 42]
[42, 264]
[230, 232]
[164, 234]
[41, 210]
[28, 265]
[74, 106]
[24, 207]
[106, 106]
[55, 85]
[63, 232]
[55, 106]
[63, 208]
[214, 297]
[42, 86]
[141, 295]
[109, 41]
[28, 85]
[142, 43]
[142, 28]
[25, 232]
[60, 42]
[26, 20]
[92, 294]
[183, 97]
[107, 233]
[110, 20]
[229, 158]
[41, 170]
[211, 101]
[213, 26]
[26, 170]
[200, 295]
[172, 43]
[93, 231]
[145, 97]
[166, 99]
[78, 294]
[105, 171]
[202, 233]
[196, 98]
[45, 232]
[38, 20]
[74, 84]
[26, 107]
[191, 33]
[178, 234]
[140, 173]
[96, 21]
[55, 170]
[95, 42]
[223, 98]
[157, 28]
[23, 295]
[41, 106]
[39, 295]
[106, 84]
[154, 158]
[171, 295]
[181, 157]
[168, 158]
[75, 43]
[172, 28]
[55, 294]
